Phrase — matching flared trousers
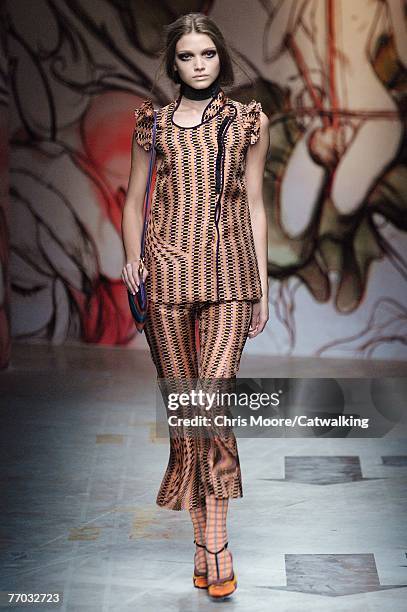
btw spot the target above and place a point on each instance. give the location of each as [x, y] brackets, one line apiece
[199, 464]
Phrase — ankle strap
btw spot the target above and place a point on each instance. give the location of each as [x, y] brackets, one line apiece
[216, 553]
[216, 556]
[201, 545]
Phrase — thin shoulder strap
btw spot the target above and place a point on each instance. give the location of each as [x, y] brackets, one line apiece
[148, 187]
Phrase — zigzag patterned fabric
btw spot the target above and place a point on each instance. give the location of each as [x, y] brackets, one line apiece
[199, 241]
[203, 460]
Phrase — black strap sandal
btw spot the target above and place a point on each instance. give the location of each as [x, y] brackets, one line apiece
[221, 588]
[216, 556]
[200, 580]
[220, 581]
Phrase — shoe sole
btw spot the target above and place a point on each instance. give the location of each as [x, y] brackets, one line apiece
[194, 580]
[224, 595]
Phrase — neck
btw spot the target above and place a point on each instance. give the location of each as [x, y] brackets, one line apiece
[200, 94]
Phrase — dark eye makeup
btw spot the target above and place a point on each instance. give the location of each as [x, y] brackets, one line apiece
[209, 53]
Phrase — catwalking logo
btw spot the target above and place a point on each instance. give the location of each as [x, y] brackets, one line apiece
[207, 401]
[338, 421]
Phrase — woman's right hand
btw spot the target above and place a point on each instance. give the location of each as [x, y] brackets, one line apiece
[131, 277]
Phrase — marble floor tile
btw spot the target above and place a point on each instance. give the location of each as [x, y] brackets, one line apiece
[320, 528]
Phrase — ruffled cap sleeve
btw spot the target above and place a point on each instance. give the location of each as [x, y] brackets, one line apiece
[143, 129]
[252, 120]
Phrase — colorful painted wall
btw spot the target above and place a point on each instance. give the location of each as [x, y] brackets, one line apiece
[331, 75]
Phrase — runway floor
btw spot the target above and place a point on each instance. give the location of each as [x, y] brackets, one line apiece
[321, 526]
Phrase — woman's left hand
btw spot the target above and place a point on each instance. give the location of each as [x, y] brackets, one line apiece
[260, 316]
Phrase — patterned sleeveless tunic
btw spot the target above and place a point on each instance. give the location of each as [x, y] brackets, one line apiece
[199, 243]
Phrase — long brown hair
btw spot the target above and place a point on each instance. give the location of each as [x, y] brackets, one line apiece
[202, 24]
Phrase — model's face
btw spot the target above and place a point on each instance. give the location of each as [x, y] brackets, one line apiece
[197, 60]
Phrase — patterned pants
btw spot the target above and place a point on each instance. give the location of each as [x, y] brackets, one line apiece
[199, 465]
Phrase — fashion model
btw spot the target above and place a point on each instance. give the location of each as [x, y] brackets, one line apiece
[205, 261]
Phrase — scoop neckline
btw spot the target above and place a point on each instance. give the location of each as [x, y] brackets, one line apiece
[175, 105]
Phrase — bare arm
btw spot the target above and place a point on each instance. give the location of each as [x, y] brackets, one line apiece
[255, 162]
[132, 218]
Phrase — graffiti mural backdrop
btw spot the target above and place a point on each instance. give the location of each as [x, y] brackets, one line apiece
[331, 75]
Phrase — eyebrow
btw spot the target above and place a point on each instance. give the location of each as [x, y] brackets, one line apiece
[188, 51]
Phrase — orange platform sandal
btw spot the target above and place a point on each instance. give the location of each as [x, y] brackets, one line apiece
[221, 588]
[200, 580]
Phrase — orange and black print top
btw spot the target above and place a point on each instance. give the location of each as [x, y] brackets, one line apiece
[199, 243]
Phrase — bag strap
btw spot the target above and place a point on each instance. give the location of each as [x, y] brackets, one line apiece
[148, 188]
